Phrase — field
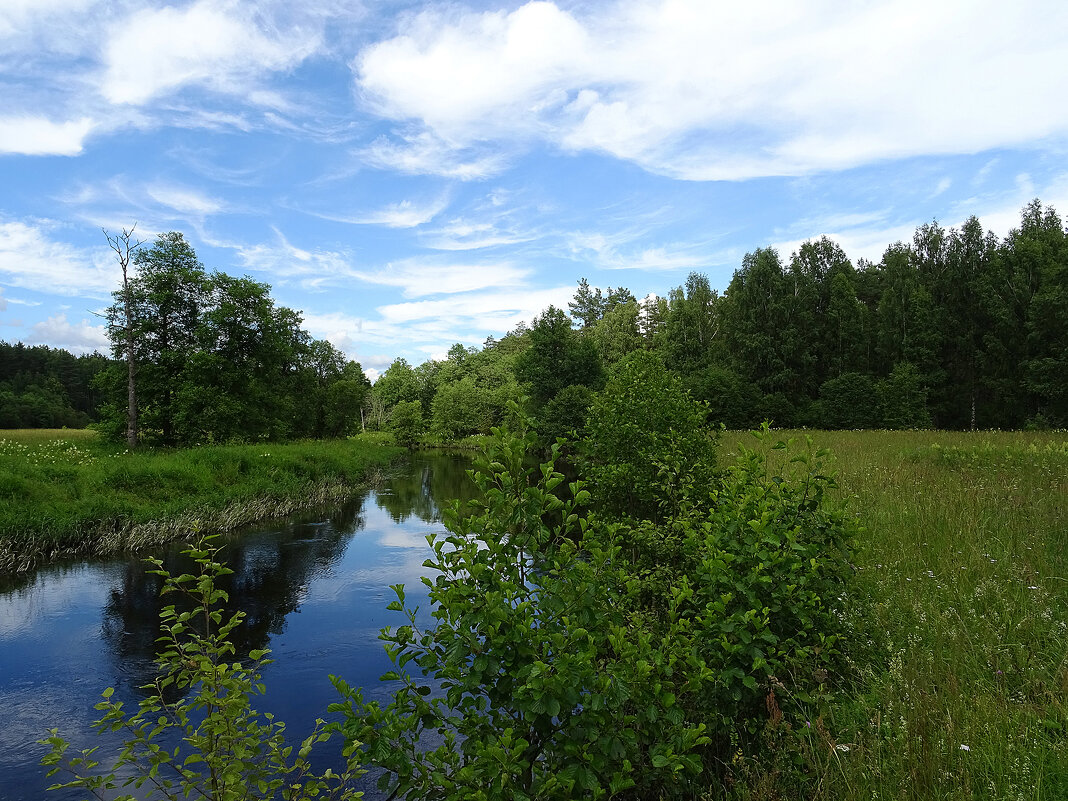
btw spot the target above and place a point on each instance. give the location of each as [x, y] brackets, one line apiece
[64, 493]
[959, 632]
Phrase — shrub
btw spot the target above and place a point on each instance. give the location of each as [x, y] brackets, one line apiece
[571, 657]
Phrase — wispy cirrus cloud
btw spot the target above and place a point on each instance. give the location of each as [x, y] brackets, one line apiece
[404, 214]
[424, 153]
[32, 259]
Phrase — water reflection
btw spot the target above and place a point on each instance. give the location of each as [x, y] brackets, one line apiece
[314, 591]
[271, 573]
[435, 480]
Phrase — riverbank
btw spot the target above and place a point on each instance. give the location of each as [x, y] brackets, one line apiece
[64, 494]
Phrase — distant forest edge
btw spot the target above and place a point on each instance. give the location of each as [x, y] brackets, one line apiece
[957, 329]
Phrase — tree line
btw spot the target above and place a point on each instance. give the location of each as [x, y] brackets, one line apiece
[957, 329]
[42, 387]
[216, 360]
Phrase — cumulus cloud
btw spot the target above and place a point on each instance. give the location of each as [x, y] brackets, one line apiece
[80, 337]
[217, 43]
[705, 91]
[39, 136]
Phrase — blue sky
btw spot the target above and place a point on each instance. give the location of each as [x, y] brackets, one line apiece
[410, 175]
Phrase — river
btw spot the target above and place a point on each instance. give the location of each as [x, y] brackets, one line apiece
[314, 589]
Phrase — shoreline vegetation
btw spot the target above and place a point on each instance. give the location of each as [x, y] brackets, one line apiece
[65, 494]
[954, 624]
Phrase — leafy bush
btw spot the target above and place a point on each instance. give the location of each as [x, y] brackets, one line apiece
[848, 401]
[571, 657]
[641, 420]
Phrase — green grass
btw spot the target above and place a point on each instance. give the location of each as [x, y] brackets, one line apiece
[958, 687]
[65, 493]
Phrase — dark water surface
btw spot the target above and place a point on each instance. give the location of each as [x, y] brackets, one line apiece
[314, 590]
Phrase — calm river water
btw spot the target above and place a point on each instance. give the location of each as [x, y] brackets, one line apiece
[314, 589]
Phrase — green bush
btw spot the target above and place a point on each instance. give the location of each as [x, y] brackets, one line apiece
[571, 657]
[642, 419]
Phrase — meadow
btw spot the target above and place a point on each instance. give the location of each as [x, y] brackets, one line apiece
[957, 686]
[64, 493]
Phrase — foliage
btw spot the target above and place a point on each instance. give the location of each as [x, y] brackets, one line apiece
[561, 666]
[216, 359]
[903, 399]
[406, 422]
[556, 358]
[209, 742]
[565, 415]
[43, 387]
[848, 401]
[642, 424]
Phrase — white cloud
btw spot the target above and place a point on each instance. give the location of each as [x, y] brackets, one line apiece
[495, 311]
[29, 258]
[616, 251]
[404, 214]
[39, 136]
[80, 337]
[285, 260]
[418, 278]
[427, 154]
[218, 43]
[184, 200]
[708, 91]
[18, 16]
[465, 234]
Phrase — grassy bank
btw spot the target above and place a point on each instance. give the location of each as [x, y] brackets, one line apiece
[62, 493]
[959, 688]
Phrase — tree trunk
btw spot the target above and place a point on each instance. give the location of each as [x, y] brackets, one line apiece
[124, 246]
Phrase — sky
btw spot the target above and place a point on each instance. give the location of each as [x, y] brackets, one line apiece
[411, 175]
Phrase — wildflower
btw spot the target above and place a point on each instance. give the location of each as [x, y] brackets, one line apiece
[842, 747]
[964, 747]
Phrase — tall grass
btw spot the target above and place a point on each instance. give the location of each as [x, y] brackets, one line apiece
[958, 687]
[69, 495]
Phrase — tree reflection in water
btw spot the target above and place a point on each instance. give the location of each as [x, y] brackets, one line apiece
[272, 567]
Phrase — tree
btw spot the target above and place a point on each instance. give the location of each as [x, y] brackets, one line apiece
[125, 247]
[642, 427]
[616, 334]
[170, 291]
[556, 358]
[588, 305]
[407, 422]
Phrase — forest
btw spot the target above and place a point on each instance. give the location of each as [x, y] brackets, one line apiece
[957, 329]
